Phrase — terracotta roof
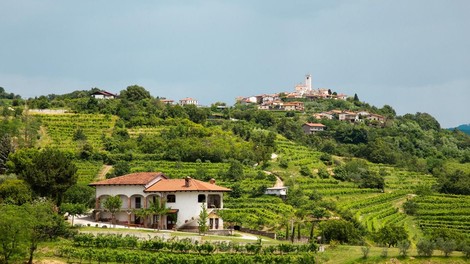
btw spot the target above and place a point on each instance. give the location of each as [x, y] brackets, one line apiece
[314, 124]
[178, 185]
[139, 178]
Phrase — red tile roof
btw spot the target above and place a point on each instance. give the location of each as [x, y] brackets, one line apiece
[139, 178]
[179, 185]
[314, 125]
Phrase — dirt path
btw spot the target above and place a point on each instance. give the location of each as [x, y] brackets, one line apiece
[102, 174]
[279, 182]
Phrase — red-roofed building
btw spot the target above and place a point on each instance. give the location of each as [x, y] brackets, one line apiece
[103, 95]
[310, 128]
[183, 196]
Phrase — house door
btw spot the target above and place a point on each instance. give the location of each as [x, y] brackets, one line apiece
[170, 221]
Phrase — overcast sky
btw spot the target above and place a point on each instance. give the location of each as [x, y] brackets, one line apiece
[413, 54]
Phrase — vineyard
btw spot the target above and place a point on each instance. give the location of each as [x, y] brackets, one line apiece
[87, 171]
[129, 249]
[444, 211]
[60, 129]
[374, 208]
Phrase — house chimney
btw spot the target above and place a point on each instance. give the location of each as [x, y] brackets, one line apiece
[212, 181]
[187, 181]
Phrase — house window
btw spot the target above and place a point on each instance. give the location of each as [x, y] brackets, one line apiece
[138, 203]
[201, 198]
[170, 198]
[213, 201]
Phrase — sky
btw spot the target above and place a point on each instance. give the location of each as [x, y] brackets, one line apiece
[411, 54]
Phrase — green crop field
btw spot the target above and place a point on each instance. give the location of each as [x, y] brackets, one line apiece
[60, 129]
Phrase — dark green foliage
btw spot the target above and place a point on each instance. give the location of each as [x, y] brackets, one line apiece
[73, 209]
[80, 194]
[135, 93]
[404, 246]
[79, 134]
[425, 247]
[410, 207]
[236, 191]
[456, 182]
[121, 168]
[283, 163]
[113, 204]
[50, 173]
[14, 191]
[339, 230]
[305, 171]
[447, 246]
[323, 173]
[196, 114]
[6, 148]
[235, 171]
[391, 235]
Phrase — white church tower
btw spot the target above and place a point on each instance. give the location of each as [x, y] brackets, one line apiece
[308, 83]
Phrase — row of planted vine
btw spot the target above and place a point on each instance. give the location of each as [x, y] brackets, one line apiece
[450, 212]
[130, 249]
[79, 255]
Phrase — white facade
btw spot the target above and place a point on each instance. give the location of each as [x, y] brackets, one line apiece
[279, 191]
[185, 204]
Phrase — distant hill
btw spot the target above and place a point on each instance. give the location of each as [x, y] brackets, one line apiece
[464, 128]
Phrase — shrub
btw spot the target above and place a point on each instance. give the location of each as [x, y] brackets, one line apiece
[425, 247]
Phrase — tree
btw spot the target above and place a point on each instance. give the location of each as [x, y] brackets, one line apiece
[339, 230]
[5, 149]
[235, 171]
[144, 213]
[14, 223]
[113, 204]
[44, 224]
[80, 194]
[158, 209]
[356, 98]
[447, 246]
[50, 174]
[425, 247]
[404, 246]
[79, 134]
[202, 221]
[121, 168]
[73, 209]
[390, 235]
[135, 93]
[410, 207]
[14, 191]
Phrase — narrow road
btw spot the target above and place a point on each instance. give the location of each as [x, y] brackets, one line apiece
[102, 174]
[279, 182]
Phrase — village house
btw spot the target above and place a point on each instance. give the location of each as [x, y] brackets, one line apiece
[189, 101]
[184, 198]
[103, 95]
[278, 191]
[375, 117]
[348, 116]
[293, 106]
[311, 128]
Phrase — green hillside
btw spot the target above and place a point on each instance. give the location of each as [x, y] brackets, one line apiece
[363, 178]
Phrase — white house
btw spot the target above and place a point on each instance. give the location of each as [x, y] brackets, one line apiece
[103, 95]
[189, 101]
[184, 198]
[310, 128]
[278, 191]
